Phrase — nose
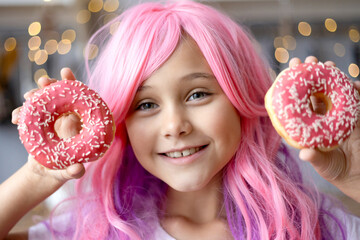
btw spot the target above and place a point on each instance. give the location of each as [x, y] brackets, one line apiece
[175, 123]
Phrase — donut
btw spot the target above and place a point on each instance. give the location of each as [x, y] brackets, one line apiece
[38, 116]
[290, 110]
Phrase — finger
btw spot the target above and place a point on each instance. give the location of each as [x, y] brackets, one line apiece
[357, 85]
[318, 105]
[294, 61]
[311, 59]
[67, 74]
[28, 94]
[68, 126]
[45, 81]
[15, 115]
[330, 63]
[330, 165]
[74, 171]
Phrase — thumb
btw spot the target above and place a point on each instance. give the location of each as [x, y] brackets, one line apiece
[74, 171]
[330, 165]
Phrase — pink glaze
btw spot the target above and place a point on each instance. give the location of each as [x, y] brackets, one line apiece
[38, 116]
[291, 103]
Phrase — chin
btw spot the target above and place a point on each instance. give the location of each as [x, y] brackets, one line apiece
[188, 186]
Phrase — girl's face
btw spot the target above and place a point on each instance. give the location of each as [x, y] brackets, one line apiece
[181, 125]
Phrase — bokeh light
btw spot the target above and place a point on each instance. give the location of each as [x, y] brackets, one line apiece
[113, 27]
[111, 5]
[10, 44]
[278, 42]
[95, 5]
[34, 28]
[353, 70]
[289, 42]
[281, 55]
[83, 16]
[64, 46]
[330, 25]
[51, 46]
[339, 49]
[93, 51]
[109, 17]
[304, 29]
[34, 43]
[40, 57]
[354, 35]
[40, 73]
[69, 34]
[31, 55]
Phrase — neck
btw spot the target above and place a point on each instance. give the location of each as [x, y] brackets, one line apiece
[201, 206]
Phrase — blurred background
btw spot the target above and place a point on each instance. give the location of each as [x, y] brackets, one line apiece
[39, 37]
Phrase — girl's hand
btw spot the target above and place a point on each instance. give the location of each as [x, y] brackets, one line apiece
[66, 126]
[341, 167]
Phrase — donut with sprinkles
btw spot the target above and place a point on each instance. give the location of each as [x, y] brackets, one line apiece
[37, 120]
[290, 109]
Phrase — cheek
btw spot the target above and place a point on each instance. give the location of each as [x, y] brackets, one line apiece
[224, 123]
[140, 137]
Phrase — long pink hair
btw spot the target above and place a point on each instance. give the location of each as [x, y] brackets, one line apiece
[119, 199]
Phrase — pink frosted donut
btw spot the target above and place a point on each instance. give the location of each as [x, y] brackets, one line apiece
[39, 113]
[289, 106]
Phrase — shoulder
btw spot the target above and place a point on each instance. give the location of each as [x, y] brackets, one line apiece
[161, 234]
[60, 226]
[352, 225]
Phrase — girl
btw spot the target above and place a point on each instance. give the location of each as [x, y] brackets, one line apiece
[195, 155]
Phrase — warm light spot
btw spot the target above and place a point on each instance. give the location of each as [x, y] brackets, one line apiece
[64, 46]
[281, 55]
[339, 49]
[31, 55]
[40, 57]
[111, 5]
[10, 44]
[330, 25]
[304, 28]
[113, 27]
[34, 43]
[92, 50]
[354, 35]
[95, 5]
[34, 28]
[40, 73]
[353, 70]
[69, 34]
[272, 73]
[83, 16]
[289, 42]
[278, 42]
[51, 46]
[109, 17]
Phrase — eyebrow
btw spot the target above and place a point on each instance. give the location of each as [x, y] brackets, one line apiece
[187, 77]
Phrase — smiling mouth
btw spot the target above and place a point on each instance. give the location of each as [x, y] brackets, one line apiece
[184, 153]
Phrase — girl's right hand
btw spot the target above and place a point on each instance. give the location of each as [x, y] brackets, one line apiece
[66, 126]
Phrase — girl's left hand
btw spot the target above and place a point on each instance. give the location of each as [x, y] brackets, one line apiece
[341, 167]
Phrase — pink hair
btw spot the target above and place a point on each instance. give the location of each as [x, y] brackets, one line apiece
[262, 199]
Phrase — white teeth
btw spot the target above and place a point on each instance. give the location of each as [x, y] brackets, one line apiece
[186, 152]
[183, 153]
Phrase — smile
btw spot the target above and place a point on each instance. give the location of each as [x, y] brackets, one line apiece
[183, 153]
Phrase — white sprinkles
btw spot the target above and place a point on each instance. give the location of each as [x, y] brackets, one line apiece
[38, 116]
[291, 103]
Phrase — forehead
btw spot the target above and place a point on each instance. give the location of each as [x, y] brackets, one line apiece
[186, 60]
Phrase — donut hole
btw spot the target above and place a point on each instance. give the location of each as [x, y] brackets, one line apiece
[320, 103]
[68, 125]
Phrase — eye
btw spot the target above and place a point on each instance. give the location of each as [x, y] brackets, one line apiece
[198, 95]
[146, 106]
